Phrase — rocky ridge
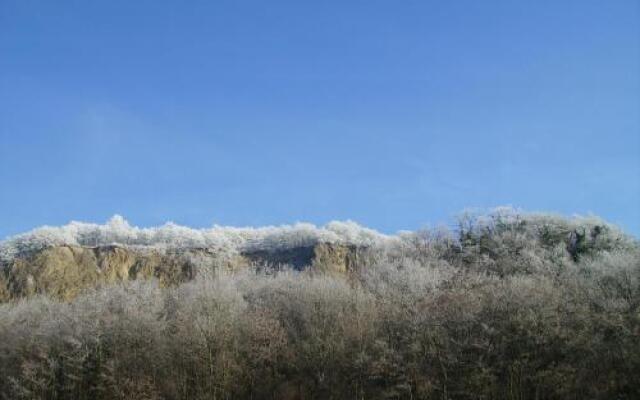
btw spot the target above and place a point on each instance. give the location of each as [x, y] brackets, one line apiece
[64, 271]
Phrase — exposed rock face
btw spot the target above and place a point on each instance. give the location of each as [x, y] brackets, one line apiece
[322, 257]
[65, 271]
[329, 257]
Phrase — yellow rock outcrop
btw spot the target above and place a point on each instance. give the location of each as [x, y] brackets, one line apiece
[64, 272]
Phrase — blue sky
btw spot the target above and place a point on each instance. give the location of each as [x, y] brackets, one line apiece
[396, 114]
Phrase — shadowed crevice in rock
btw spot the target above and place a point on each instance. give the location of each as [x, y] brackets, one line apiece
[297, 258]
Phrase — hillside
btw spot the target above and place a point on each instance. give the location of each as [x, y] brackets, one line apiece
[505, 305]
[63, 261]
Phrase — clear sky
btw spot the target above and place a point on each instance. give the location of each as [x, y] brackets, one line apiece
[395, 114]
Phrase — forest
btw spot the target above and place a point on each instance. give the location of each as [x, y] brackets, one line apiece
[500, 305]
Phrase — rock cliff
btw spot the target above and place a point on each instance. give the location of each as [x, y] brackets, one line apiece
[64, 271]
